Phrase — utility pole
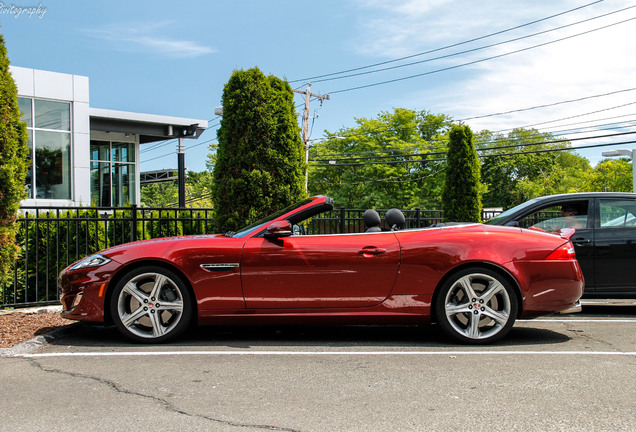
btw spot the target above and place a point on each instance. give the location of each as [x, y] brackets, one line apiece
[308, 94]
[181, 169]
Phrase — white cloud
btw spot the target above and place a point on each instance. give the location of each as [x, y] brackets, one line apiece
[597, 63]
[149, 38]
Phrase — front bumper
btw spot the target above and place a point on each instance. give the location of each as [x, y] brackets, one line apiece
[83, 292]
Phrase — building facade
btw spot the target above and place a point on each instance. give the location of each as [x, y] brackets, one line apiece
[84, 156]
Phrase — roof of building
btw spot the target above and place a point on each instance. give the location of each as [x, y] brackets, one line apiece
[150, 127]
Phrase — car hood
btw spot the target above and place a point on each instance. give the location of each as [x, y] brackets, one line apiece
[159, 246]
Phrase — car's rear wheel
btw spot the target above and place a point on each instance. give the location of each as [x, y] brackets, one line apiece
[476, 305]
[151, 305]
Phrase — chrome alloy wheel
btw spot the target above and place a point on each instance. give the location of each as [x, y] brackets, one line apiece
[478, 306]
[150, 305]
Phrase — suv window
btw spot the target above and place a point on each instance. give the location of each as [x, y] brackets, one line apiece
[567, 214]
[617, 213]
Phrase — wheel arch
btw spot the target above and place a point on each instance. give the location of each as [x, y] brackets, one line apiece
[136, 264]
[486, 265]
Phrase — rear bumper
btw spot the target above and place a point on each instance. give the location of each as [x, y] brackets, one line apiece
[548, 286]
[574, 309]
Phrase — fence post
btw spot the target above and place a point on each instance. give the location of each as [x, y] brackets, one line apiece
[343, 220]
[133, 220]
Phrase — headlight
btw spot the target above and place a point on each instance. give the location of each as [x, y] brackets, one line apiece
[92, 261]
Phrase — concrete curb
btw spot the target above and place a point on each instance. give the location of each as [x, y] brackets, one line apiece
[38, 342]
[32, 345]
[33, 310]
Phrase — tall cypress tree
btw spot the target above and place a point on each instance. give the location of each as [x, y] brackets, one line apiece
[260, 164]
[462, 188]
[13, 163]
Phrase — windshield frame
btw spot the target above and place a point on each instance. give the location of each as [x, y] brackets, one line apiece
[245, 231]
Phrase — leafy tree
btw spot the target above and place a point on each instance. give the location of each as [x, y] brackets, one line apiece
[13, 163]
[462, 188]
[382, 163]
[260, 162]
[610, 175]
[513, 171]
[159, 194]
[166, 194]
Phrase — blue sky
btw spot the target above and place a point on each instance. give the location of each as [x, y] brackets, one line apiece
[173, 58]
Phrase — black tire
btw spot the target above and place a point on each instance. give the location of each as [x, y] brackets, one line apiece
[151, 304]
[476, 306]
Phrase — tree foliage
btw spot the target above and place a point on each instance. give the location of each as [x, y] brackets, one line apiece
[260, 162]
[383, 162]
[166, 194]
[610, 175]
[461, 198]
[13, 163]
[527, 163]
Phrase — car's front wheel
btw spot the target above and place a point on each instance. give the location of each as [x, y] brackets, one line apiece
[476, 305]
[151, 304]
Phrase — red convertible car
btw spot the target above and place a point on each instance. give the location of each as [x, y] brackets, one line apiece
[474, 280]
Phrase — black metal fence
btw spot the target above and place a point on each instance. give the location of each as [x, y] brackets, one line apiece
[52, 238]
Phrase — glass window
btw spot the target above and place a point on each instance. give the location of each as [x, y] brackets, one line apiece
[52, 165]
[618, 213]
[123, 152]
[29, 176]
[52, 115]
[100, 184]
[123, 185]
[100, 150]
[49, 171]
[26, 114]
[112, 173]
[567, 214]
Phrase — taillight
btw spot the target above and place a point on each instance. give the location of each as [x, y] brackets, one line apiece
[564, 252]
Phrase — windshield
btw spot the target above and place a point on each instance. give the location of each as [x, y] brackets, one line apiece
[261, 223]
[504, 215]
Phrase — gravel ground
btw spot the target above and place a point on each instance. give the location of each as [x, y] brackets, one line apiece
[22, 325]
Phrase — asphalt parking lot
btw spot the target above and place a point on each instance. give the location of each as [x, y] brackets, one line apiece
[560, 373]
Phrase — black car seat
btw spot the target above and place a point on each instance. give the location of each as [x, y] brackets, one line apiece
[371, 220]
[395, 219]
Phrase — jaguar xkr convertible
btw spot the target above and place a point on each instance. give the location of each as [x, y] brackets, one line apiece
[473, 280]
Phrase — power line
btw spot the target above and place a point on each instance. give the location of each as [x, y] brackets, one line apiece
[548, 105]
[445, 47]
[503, 139]
[480, 150]
[388, 128]
[475, 49]
[480, 60]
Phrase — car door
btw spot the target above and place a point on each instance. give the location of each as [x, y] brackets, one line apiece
[568, 213]
[615, 246]
[319, 271]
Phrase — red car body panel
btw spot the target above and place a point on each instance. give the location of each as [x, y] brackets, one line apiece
[337, 271]
[385, 277]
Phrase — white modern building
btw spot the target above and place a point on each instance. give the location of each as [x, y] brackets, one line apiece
[82, 155]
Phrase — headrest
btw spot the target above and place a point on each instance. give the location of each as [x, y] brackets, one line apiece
[395, 219]
[371, 218]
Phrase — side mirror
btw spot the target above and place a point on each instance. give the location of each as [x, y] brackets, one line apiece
[278, 230]
[512, 223]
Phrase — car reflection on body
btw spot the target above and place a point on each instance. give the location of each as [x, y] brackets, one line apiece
[605, 237]
[474, 280]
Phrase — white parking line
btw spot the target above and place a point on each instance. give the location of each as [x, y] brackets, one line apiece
[329, 353]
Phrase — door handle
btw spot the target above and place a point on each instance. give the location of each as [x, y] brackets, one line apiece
[581, 242]
[371, 251]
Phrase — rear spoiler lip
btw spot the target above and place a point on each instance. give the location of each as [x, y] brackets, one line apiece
[566, 233]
